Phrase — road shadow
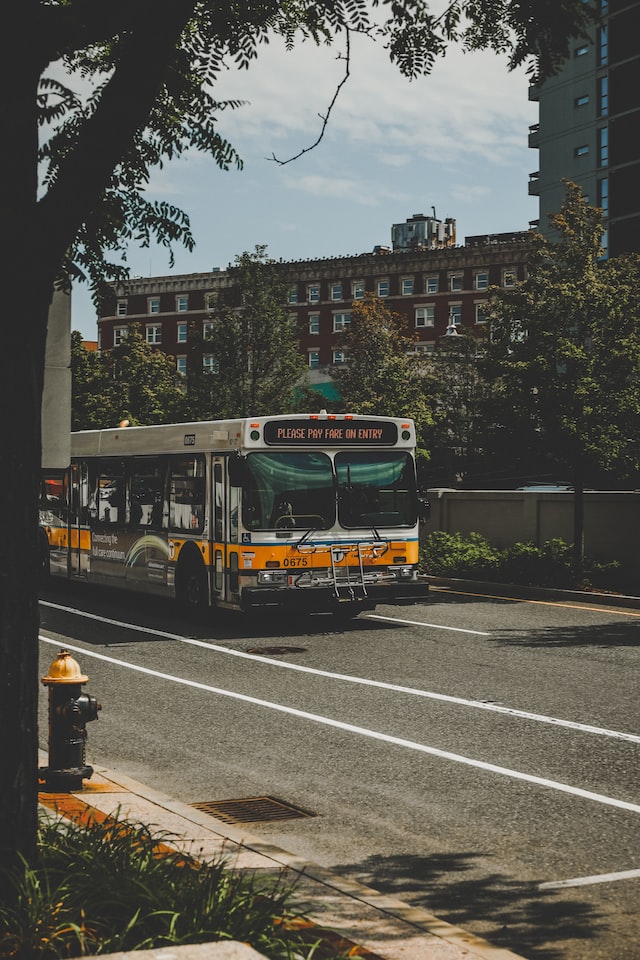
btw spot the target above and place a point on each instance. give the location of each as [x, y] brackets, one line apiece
[602, 635]
[161, 614]
[508, 913]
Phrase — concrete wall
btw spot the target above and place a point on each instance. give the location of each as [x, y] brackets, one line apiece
[505, 517]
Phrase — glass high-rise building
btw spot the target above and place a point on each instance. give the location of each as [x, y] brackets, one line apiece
[589, 126]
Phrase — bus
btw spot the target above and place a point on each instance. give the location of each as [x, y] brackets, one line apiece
[310, 512]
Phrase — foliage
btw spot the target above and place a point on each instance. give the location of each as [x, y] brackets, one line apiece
[383, 374]
[131, 382]
[565, 341]
[459, 398]
[453, 555]
[112, 886]
[254, 344]
[551, 565]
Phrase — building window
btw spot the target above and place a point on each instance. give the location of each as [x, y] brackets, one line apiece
[431, 285]
[603, 146]
[603, 195]
[582, 50]
[313, 294]
[406, 286]
[293, 295]
[509, 278]
[357, 289]
[314, 323]
[581, 101]
[582, 150]
[341, 322]
[339, 357]
[210, 364]
[207, 328]
[181, 333]
[426, 316]
[603, 96]
[153, 305]
[119, 335]
[383, 288]
[182, 304]
[314, 359]
[181, 365]
[481, 312]
[121, 308]
[455, 282]
[336, 291]
[603, 45]
[154, 333]
[481, 281]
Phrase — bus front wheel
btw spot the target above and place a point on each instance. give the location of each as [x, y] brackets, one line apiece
[191, 585]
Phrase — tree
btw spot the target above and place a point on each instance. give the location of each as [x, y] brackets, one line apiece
[458, 396]
[256, 361]
[566, 350]
[132, 382]
[74, 202]
[383, 373]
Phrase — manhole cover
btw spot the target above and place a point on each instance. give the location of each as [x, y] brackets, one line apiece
[251, 810]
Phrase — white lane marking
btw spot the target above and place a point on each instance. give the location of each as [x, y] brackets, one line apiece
[362, 681]
[588, 881]
[434, 626]
[362, 731]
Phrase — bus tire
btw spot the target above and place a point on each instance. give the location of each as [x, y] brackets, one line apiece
[191, 584]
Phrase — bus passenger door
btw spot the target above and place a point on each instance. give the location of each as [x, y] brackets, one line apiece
[78, 514]
[225, 533]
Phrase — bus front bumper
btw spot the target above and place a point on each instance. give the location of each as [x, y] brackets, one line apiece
[322, 599]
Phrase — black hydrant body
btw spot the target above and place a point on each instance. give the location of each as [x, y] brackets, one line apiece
[69, 711]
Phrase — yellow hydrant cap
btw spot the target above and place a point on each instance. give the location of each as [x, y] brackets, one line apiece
[64, 669]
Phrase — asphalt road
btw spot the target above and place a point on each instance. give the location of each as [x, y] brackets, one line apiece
[477, 756]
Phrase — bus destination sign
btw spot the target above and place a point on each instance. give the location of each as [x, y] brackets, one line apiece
[331, 432]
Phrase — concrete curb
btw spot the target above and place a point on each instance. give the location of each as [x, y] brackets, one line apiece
[512, 590]
[360, 918]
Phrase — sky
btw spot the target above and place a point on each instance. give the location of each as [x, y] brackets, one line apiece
[454, 142]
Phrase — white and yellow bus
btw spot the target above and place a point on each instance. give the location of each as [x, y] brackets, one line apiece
[310, 512]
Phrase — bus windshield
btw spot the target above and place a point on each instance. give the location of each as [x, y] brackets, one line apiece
[376, 489]
[298, 490]
[282, 490]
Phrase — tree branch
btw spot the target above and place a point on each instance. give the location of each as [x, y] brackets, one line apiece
[326, 116]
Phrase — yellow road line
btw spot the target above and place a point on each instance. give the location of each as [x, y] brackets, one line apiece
[545, 603]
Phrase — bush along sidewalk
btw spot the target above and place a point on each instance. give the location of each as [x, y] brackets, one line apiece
[474, 558]
[104, 887]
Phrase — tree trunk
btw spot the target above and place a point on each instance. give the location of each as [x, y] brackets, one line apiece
[26, 293]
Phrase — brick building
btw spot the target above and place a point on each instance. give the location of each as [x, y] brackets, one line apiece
[424, 277]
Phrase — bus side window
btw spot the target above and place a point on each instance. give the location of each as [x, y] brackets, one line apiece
[186, 493]
[147, 507]
[110, 492]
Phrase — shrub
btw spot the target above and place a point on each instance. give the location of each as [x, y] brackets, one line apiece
[108, 887]
[452, 555]
[551, 565]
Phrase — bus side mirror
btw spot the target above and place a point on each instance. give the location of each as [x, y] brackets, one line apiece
[237, 469]
[424, 510]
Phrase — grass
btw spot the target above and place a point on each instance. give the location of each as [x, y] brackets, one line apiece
[99, 888]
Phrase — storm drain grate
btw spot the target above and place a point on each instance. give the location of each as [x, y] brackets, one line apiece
[252, 810]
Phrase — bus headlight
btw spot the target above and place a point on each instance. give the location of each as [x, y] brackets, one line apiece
[272, 577]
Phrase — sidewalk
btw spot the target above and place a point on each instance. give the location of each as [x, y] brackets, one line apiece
[363, 922]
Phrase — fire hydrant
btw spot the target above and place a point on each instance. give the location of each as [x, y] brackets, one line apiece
[69, 710]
